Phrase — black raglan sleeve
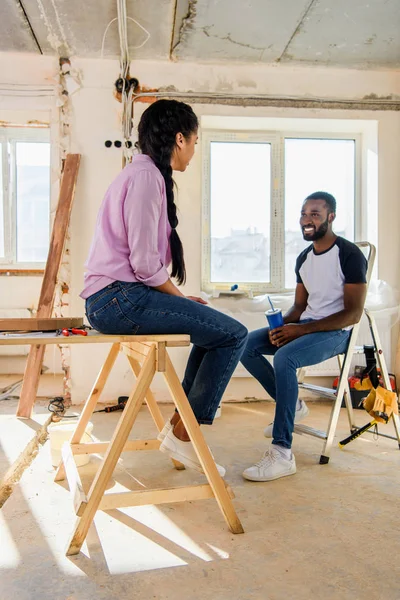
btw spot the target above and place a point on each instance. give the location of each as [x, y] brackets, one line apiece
[299, 262]
[353, 263]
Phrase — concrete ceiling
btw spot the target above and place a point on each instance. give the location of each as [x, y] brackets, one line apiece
[350, 33]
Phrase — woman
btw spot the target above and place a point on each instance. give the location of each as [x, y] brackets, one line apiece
[128, 289]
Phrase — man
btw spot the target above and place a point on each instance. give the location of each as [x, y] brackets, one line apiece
[329, 299]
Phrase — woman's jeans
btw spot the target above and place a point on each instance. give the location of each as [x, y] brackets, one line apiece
[218, 340]
[280, 380]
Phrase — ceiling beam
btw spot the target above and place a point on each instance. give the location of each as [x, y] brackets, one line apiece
[19, 2]
[297, 29]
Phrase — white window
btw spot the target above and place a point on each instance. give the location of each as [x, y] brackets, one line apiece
[254, 185]
[24, 197]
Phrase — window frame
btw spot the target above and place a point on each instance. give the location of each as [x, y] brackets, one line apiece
[9, 137]
[277, 241]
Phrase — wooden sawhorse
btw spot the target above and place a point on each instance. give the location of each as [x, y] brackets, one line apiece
[146, 355]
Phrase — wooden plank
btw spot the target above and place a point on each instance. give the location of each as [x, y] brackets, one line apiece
[46, 300]
[161, 357]
[74, 481]
[130, 446]
[21, 272]
[171, 339]
[114, 450]
[34, 324]
[138, 347]
[136, 351]
[202, 450]
[161, 496]
[153, 408]
[93, 337]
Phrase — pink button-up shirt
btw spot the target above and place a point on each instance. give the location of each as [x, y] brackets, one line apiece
[131, 239]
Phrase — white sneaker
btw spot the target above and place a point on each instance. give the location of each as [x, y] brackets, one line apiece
[299, 415]
[167, 427]
[272, 466]
[184, 453]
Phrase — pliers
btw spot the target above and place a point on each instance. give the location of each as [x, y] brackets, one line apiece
[71, 331]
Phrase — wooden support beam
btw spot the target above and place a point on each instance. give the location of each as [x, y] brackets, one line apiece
[90, 403]
[153, 407]
[161, 357]
[74, 481]
[201, 448]
[161, 496]
[98, 447]
[135, 350]
[46, 300]
[112, 455]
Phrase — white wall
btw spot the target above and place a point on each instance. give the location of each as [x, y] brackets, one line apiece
[15, 108]
[96, 119]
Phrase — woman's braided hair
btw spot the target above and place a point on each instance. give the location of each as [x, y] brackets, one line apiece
[158, 127]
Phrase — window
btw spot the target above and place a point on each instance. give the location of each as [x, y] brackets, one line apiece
[254, 185]
[240, 218]
[24, 197]
[311, 165]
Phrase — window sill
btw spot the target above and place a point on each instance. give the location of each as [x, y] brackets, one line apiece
[12, 272]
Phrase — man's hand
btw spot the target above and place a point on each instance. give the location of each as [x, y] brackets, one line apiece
[283, 335]
[197, 299]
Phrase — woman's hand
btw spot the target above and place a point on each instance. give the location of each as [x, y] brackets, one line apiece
[197, 299]
[283, 335]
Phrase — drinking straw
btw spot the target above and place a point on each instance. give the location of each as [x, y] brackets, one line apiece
[272, 306]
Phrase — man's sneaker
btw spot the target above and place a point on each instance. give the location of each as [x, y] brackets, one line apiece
[299, 415]
[184, 453]
[167, 427]
[272, 466]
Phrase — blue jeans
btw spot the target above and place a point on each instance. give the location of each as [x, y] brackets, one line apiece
[280, 380]
[218, 340]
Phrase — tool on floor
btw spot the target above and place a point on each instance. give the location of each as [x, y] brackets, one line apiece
[357, 433]
[122, 400]
[380, 403]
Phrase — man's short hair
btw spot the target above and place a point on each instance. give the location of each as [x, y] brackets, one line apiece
[330, 200]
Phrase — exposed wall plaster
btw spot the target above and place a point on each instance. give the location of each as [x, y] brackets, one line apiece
[206, 31]
[61, 47]
[69, 80]
[368, 102]
[296, 31]
[187, 24]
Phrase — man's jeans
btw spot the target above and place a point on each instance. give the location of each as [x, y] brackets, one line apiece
[218, 340]
[280, 381]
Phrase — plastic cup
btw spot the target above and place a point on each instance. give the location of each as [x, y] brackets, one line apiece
[274, 317]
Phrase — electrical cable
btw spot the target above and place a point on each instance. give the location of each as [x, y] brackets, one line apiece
[57, 406]
[132, 47]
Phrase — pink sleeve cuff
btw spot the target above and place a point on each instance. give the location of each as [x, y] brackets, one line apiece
[155, 280]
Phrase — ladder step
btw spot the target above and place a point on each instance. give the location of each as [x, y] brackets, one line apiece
[316, 389]
[306, 430]
[358, 350]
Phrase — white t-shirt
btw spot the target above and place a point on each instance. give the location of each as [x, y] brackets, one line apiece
[324, 275]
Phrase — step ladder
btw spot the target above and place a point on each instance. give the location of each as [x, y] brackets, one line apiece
[343, 391]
